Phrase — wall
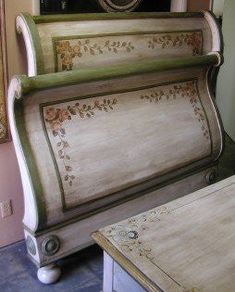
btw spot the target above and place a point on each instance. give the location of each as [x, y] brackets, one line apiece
[197, 5]
[218, 6]
[10, 183]
[225, 96]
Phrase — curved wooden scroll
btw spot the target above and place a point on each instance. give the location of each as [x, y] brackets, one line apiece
[62, 43]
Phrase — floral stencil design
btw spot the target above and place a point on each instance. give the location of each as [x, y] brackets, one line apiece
[135, 239]
[193, 39]
[67, 52]
[56, 117]
[69, 49]
[185, 90]
[128, 235]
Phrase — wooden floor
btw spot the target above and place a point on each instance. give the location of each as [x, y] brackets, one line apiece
[82, 272]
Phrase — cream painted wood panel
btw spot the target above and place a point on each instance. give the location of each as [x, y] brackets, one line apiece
[195, 242]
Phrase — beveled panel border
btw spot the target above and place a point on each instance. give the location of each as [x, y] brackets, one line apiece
[65, 208]
[119, 34]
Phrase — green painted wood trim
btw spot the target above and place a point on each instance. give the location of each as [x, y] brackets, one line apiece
[68, 78]
[35, 41]
[116, 15]
[31, 165]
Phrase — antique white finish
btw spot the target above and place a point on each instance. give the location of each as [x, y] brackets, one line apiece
[133, 128]
[49, 274]
[185, 245]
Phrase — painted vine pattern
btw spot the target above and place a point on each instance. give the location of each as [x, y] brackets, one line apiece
[3, 126]
[68, 52]
[128, 234]
[55, 117]
[193, 40]
[184, 90]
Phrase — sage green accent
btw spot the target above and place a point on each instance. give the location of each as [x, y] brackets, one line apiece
[31, 165]
[115, 15]
[131, 33]
[35, 41]
[73, 77]
[50, 245]
[65, 208]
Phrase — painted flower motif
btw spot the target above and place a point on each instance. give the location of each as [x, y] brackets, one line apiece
[56, 117]
[63, 47]
[133, 234]
[67, 61]
[127, 235]
[55, 126]
[51, 114]
[184, 90]
[123, 234]
[67, 51]
[77, 51]
[193, 40]
[64, 115]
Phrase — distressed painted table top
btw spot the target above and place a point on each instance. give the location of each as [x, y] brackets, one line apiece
[185, 245]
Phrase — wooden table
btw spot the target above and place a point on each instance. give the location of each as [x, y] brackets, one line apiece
[185, 245]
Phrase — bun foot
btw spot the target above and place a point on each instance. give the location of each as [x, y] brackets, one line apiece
[49, 274]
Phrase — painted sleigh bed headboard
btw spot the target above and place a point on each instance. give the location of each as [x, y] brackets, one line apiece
[128, 124]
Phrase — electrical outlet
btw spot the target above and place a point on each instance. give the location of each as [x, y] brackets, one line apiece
[6, 208]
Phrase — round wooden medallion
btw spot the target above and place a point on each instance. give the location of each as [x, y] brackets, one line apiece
[119, 5]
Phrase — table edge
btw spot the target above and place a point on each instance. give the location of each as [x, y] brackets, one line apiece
[124, 262]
